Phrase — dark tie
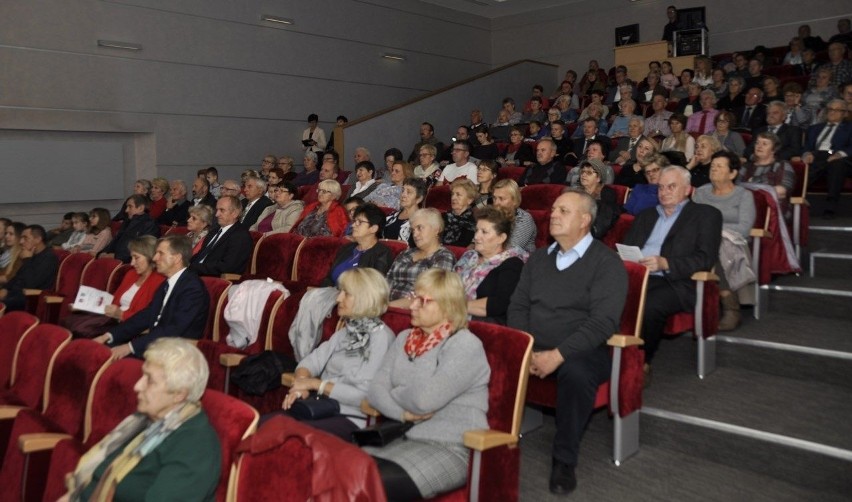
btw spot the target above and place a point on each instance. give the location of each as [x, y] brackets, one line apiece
[703, 122]
[747, 115]
[773, 129]
[209, 246]
[826, 133]
[163, 306]
[585, 145]
[632, 144]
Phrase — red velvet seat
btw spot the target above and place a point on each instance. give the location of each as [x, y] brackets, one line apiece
[35, 353]
[313, 261]
[51, 303]
[74, 373]
[395, 246]
[2, 309]
[703, 321]
[96, 274]
[542, 225]
[438, 197]
[621, 193]
[308, 194]
[457, 251]
[619, 230]
[540, 197]
[274, 256]
[218, 291]
[103, 412]
[13, 328]
[622, 394]
[511, 172]
[278, 463]
[233, 421]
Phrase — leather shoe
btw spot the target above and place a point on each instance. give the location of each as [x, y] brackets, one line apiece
[562, 478]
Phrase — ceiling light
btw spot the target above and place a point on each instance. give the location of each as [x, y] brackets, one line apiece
[111, 44]
[276, 19]
[395, 57]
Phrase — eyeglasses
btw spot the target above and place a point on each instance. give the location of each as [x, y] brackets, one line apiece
[839, 110]
[588, 172]
[420, 300]
[358, 222]
[321, 191]
[229, 189]
[459, 149]
[483, 169]
[280, 190]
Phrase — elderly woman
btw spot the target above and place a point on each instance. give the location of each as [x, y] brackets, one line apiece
[731, 141]
[735, 97]
[286, 164]
[281, 216]
[13, 258]
[490, 271]
[679, 140]
[598, 101]
[99, 234]
[397, 226]
[486, 176]
[799, 115]
[507, 198]
[135, 292]
[436, 376]
[738, 213]
[459, 225]
[387, 194]
[325, 216]
[167, 450]
[518, 152]
[343, 367]
[567, 112]
[699, 165]
[392, 156]
[591, 182]
[310, 176]
[766, 169]
[703, 71]
[428, 169]
[821, 91]
[198, 224]
[426, 226]
[159, 190]
[644, 195]
[486, 149]
[365, 182]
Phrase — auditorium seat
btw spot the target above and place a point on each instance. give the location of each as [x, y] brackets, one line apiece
[217, 289]
[395, 246]
[96, 274]
[438, 197]
[274, 256]
[233, 421]
[511, 172]
[13, 328]
[540, 197]
[50, 302]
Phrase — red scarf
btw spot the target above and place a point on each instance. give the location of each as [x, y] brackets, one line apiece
[420, 342]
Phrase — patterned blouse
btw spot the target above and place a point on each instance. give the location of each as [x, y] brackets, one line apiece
[404, 271]
[459, 229]
[386, 195]
[314, 224]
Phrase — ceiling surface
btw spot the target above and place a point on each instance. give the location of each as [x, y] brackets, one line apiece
[498, 8]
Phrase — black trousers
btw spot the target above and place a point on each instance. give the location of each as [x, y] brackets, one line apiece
[835, 172]
[661, 302]
[578, 379]
[398, 484]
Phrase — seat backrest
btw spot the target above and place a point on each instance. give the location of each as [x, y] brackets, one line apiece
[540, 197]
[397, 319]
[511, 172]
[800, 189]
[634, 305]
[70, 272]
[116, 277]
[621, 193]
[457, 251]
[438, 197]
[395, 246]
[509, 352]
[218, 290]
[111, 399]
[761, 209]
[77, 368]
[274, 256]
[13, 327]
[308, 193]
[233, 421]
[34, 356]
[97, 273]
[314, 259]
[542, 226]
[618, 231]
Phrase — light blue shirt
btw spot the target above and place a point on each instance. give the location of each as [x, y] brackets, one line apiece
[662, 227]
[565, 259]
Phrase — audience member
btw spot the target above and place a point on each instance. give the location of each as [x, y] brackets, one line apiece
[535, 112]
[255, 201]
[138, 223]
[537, 92]
[515, 117]
[427, 253]
[753, 113]
[828, 147]
[38, 269]
[228, 250]
[58, 236]
[621, 123]
[11, 258]
[703, 121]
[667, 77]
[789, 136]
[365, 184]
[507, 198]
[735, 97]
[159, 189]
[679, 140]
[486, 175]
[843, 35]
[755, 76]
[201, 193]
[816, 44]
[310, 176]
[397, 225]
[719, 86]
[80, 227]
[692, 102]
[212, 177]
[459, 225]
[771, 90]
[645, 195]
[518, 152]
[547, 169]
[658, 123]
[798, 115]
[699, 165]
[461, 166]
[840, 67]
[392, 156]
[820, 91]
[428, 169]
[731, 141]
[427, 137]
[198, 226]
[486, 149]
[177, 206]
[387, 194]
[680, 93]
[767, 168]
[626, 147]
[286, 164]
[631, 172]
[325, 217]
[606, 199]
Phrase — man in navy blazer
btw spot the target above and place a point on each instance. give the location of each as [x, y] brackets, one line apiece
[179, 307]
[828, 148]
[255, 202]
[226, 251]
[678, 238]
[789, 136]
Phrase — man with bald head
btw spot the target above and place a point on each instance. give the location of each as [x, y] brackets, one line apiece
[547, 169]
[226, 251]
[569, 297]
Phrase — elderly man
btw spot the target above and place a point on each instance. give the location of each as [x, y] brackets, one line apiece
[658, 123]
[476, 120]
[201, 193]
[228, 250]
[179, 307]
[427, 137]
[840, 67]
[589, 132]
[177, 207]
[790, 136]
[138, 223]
[702, 121]
[461, 167]
[569, 297]
[752, 114]
[828, 149]
[626, 148]
[231, 187]
[38, 269]
[255, 202]
[328, 171]
[547, 169]
[627, 108]
[678, 238]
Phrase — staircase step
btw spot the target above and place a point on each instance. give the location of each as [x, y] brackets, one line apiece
[825, 296]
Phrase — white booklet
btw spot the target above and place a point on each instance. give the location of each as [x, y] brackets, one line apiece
[92, 300]
[629, 253]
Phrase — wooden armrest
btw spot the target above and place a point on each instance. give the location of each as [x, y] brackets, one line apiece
[7, 411]
[40, 441]
[704, 276]
[231, 277]
[624, 341]
[231, 360]
[288, 379]
[759, 232]
[31, 292]
[485, 439]
[369, 410]
[53, 299]
[798, 200]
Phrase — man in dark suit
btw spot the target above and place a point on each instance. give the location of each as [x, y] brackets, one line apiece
[790, 137]
[226, 251]
[753, 114]
[828, 148]
[581, 144]
[625, 150]
[38, 270]
[255, 202]
[179, 307]
[177, 207]
[547, 168]
[138, 223]
[677, 238]
[201, 193]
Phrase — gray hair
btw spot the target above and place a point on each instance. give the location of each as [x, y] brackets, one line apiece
[362, 149]
[431, 216]
[637, 118]
[778, 104]
[203, 212]
[737, 78]
[311, 155]
[261, 184]
[682, 171]
[591, 206]
[708, 92]
[181, 184]
[184, 366]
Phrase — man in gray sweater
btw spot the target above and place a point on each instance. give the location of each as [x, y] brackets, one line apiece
[570, 298]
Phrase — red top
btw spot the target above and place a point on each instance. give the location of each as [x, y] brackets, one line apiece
[142, 297]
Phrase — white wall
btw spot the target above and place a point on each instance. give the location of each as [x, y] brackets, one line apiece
[572, 34]
[213, 84]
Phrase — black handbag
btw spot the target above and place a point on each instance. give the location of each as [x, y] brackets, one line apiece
[314, 408]
[381, 434]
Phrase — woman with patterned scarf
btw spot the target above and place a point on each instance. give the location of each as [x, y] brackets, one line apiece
[343, 367]
[167, 450]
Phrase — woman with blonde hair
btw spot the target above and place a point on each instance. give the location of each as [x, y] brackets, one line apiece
[699, 166]
[325, 217]
[159, 191]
